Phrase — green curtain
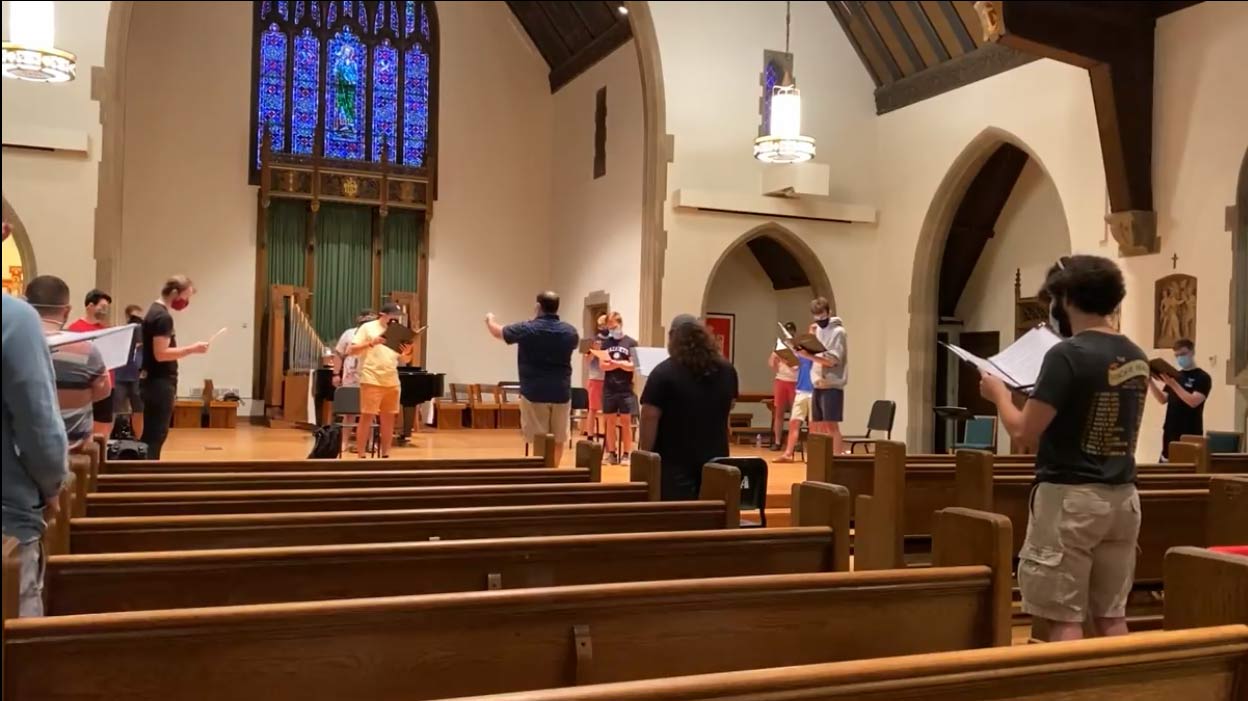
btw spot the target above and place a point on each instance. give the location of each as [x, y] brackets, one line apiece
[344, 268]
[400, 245]
[285, 236]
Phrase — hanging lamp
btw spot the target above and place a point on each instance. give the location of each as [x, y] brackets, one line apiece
[30, 54]
[784, 143]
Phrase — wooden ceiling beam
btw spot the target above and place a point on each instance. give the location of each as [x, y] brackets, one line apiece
[1116, 47]
[592, 53]
[986, 61]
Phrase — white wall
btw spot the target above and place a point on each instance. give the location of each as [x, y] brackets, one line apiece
[54, 194]
[490, 234]
[490, 248]
[595, 243]
[712, 57]
[187, 207]
[1030, 234]
[1199, 140]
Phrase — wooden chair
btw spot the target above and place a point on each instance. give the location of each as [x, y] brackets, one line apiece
[450, 410]
[509, 405]
[484, 405]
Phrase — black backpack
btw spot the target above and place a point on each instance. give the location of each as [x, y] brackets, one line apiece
[326, 443]
[126, 450]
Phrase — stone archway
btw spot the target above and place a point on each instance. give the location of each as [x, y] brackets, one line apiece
[925, 278]
[21, 238]
[791, 242]
[654, 173]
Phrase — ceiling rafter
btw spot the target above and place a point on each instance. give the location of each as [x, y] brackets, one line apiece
[572, 35]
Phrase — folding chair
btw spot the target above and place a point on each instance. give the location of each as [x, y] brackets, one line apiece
[753, 487]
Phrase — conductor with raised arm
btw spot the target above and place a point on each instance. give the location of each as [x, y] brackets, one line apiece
[546, 346]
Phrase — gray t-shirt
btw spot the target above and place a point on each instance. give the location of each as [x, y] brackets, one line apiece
[836, 340]
[1097, 382]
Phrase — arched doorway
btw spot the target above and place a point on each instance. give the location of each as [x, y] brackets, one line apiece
[767, 275]
[19, 256]
[995, 222]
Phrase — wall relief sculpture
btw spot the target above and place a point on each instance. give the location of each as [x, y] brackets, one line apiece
[1174, 315]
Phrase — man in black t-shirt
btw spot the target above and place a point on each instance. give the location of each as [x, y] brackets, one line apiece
[685, 407]
[1184, 397]
[159, 385]
[618, 401]
[1078, 559]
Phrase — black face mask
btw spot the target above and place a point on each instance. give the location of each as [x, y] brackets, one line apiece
[135, 319]
[1059, 320]
[823, 323]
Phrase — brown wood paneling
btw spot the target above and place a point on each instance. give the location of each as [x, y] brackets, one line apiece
[894, 40]
[862, 32]
[841, 12]
[970, 20]
[948, 33]
[921, 32]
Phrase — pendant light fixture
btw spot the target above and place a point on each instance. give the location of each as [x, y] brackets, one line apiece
[784, 143]
[30, 54]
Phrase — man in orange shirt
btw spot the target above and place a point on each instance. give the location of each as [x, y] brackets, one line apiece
[379, 378]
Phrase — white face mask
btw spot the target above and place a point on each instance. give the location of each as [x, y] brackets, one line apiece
[617, 333]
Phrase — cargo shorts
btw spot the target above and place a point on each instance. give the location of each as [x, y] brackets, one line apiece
[1078, 559]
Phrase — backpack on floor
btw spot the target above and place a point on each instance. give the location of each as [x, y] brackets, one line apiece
[326, 443]
[126, 450]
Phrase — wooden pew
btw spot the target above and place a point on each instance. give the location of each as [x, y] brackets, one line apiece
[856, 472]
[1210, 664]
[718, 507]
[905, 496]
[1228, 510]
[1205, 588]
[217, 481]
[136, 581]
[1221, 463]
[443, 645]
[118, 467]
[268, 501]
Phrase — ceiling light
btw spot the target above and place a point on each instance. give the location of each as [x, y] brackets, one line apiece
[784, 143]
[622, 10]
[31, 55]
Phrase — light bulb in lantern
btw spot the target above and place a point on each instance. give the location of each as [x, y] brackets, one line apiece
[31, 54]
[32, 23]
[785, 143]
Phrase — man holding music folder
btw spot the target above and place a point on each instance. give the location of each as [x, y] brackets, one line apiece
[380, 344]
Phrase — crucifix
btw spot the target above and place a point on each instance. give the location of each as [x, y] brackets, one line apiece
[1174, 262]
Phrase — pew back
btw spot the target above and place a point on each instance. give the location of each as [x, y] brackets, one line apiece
[120, 504]
[217, 481]
[1205, 588]
[1210, 664]
[435, 646]
[138, 581]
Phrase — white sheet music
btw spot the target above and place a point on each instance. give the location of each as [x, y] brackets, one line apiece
[113, 343]
[1019, 364]
[648, 358]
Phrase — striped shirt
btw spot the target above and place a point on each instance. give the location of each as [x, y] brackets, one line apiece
[78, 366]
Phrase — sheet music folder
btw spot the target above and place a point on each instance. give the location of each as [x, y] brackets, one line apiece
[1018, 365]
[397, 335]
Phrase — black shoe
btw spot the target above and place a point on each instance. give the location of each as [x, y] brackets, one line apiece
[775, 447]
[613, 459]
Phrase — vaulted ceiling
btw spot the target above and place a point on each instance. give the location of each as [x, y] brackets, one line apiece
[781, 266]
[572, 35]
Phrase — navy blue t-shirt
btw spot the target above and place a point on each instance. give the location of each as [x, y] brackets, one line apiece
[544, 357]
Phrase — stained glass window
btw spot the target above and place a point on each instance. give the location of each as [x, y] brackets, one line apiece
[306, 93]
[385, 99]
[415, 105]
[344, 79]
[272, 89]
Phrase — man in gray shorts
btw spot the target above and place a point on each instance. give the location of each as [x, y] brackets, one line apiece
[546, 345]
[1078, 560]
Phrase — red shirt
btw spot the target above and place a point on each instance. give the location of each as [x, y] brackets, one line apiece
[81, 325]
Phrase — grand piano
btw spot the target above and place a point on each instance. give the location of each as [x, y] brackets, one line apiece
[416, 386]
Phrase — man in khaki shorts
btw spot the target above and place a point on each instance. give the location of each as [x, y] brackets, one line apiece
[546, 345]
[1078, 560]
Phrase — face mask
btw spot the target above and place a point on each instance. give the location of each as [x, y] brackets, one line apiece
[823, 323]
[135, 319]
[617, 333]
[101, 313]
[180, 303]
[1059, 321]
[1185, 362]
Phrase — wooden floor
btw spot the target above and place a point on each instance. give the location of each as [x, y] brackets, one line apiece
[249, 441]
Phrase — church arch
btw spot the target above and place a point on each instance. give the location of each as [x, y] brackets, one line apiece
[925, 276]
[21, 239]
[793, 245]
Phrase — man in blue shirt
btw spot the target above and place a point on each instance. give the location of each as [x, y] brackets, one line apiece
[546, 345]
[34, 445]
[801, 407]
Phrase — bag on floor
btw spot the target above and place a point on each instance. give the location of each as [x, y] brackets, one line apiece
[126, 450]
[326, 443]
